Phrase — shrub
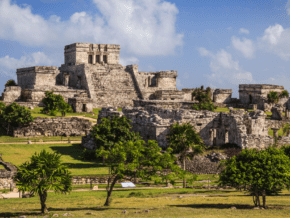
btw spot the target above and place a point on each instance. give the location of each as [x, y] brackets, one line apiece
[89, 155]
[10, 82]
[203, 98]
[284, 94]
[273, 97]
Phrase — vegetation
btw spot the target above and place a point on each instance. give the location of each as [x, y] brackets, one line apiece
[286, 129]
[182, 139]
[261, 173]
[13, 116]
[10, 82]
[273, 97]
[204, 99]
[113, 130]
[43, 173]
[136, 160]
[284, 93]
[54, 103]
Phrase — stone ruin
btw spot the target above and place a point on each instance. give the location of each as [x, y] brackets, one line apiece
[92, 77]
[247, 130]
[7, 174]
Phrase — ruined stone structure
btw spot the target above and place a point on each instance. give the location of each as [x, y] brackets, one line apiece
[91, 77]
[258, 94]
[248, 130]
[7, 174]
[57, 126]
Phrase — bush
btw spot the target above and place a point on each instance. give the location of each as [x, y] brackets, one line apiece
[54, 103]
[204, 99]
[10, 82]
[284, 94]
[89, 155]
[273, 97]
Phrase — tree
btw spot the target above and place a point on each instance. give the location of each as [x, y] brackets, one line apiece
[10, 82]
[284, 93]
[54, 103]
[273, 97]
[43, 173]
[204, 99]
[185, 141]
[13, 116]
[130, 159]
[286, 129]
[261, 173]
[113, 130]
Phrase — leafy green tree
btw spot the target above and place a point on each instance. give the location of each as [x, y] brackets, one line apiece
[44, 172]
[10, 82]
[204, 99]
[131, 159]
[261, 173]
[286, 129]
[113, 130]
[286, 150]
[13, 116]
[54, 103]
[284, 93]
[273, 97]
[185, 141]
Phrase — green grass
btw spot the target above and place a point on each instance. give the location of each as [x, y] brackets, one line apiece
[160, 202]
[20, 153]
[11, 139]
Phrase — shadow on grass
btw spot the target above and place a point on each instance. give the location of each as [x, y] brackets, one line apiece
[215, 206]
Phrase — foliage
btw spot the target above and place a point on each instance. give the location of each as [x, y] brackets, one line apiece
[286, 129]
[261, 173]
[204, 99]
[10, 82]
[273, 97]
[88, 155]
[113, 130]
[136, 160]
[284, 93]
[182, 139]
[286, 150]
[44, 172]
[13, 116]
[54, 103]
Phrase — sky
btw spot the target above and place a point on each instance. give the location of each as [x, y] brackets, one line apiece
[219, 44]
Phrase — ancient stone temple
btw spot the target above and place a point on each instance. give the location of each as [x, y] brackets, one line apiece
[91, 77]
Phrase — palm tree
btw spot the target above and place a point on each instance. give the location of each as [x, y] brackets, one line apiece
[286, 129]
[45, 172]
[185, 141]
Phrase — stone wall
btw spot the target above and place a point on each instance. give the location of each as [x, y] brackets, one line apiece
[167, 104]
[11, 94]
[214, 127]
[6, 175]
[222, 95]
[58, 126]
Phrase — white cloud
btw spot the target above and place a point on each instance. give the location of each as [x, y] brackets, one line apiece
[276, 40]
[142, 27]
[225, 70]
[245, 46]
[128, 61]
[8, 65]
[243, 30]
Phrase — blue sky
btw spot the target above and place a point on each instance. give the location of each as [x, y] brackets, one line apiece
[220, 44]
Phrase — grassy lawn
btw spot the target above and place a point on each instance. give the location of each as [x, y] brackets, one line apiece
[19, 153]
[36, 139]
[160, 202]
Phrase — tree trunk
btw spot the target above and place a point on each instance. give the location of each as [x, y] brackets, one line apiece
[42, 202]
[109, 192]
[264, 198]
[258, 200]
[103, 160]
[184, 182]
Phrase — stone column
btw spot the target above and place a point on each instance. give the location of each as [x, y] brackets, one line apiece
[287, 113]
[226, 136]
[211, 137]
[255, 106]
[66, 79]
[214, 137]
[275, 132]
[94, 58]
[101, 57]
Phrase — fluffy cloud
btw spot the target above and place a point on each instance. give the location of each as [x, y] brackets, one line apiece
[142, 27]
[245, 46]
[276, 40]
[8, 65]
[224, 69]
[243, 30]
